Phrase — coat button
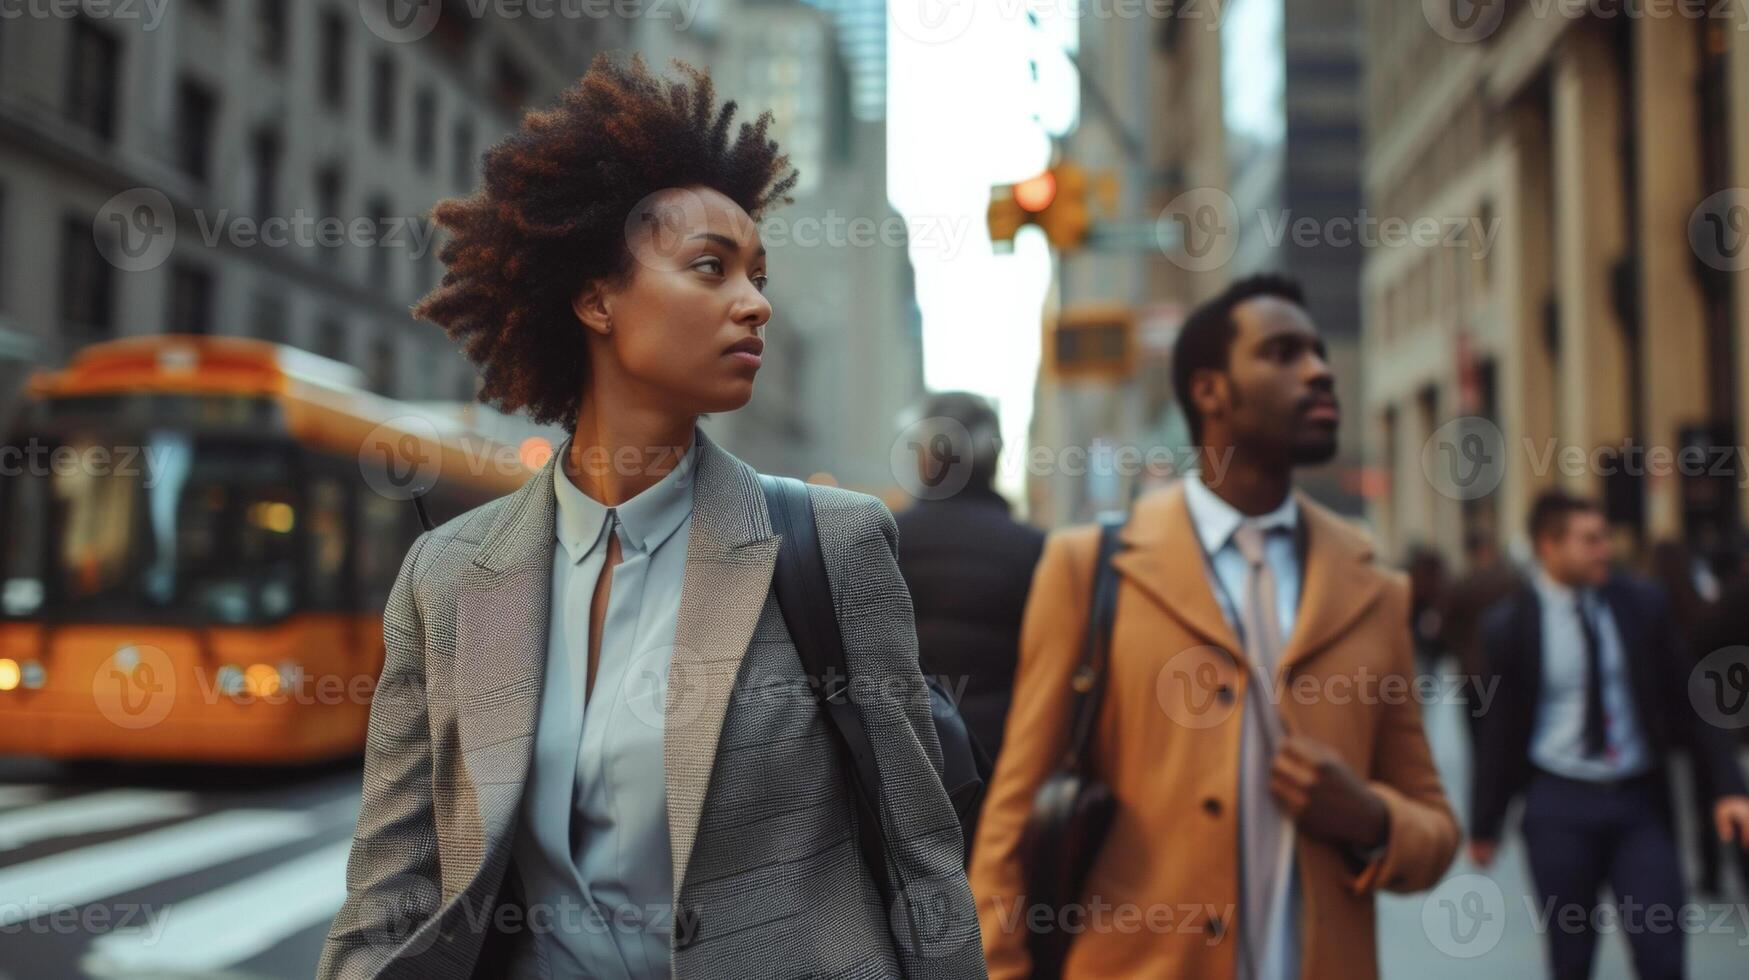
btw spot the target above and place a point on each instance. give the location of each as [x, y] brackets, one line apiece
[1217, 928]
[1225, 693]
[1212, 806]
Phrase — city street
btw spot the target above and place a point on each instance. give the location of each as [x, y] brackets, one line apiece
[170, 873]
[192, 873]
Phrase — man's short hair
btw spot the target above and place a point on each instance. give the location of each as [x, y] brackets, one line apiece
[1550, 511]
[977, 416]
[1206, 339]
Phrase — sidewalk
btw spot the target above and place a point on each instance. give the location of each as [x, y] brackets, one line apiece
[1484, 923]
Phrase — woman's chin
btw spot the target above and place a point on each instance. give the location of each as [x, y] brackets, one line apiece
[728, 397]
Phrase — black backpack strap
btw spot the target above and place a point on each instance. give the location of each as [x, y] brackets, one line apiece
[1088, 682]
[804, 594]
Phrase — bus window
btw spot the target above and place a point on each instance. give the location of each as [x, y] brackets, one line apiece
[23, 543]
[325, 542]
[386, 529]
[165, 527]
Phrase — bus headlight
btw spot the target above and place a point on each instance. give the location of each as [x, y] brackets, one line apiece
[261, 680]
[10, 674]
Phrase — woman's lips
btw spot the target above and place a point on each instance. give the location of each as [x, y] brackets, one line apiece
[747, 357]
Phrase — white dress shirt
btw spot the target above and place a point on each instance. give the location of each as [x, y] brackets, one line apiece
[592, 837]
[1557, 742]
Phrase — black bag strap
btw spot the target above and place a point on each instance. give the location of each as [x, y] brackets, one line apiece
[1088, 681]
[804, 594]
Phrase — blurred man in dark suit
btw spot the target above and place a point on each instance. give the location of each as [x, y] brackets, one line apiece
[1591, 699]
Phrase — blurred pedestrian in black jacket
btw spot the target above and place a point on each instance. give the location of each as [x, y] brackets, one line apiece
[967, 561]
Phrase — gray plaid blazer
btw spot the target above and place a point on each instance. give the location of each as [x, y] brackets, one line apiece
[768, 880]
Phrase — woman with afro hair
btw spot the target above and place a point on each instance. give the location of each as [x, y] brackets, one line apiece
[593, 750]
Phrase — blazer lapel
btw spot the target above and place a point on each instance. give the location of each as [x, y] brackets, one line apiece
[730, 553]
[502, 604]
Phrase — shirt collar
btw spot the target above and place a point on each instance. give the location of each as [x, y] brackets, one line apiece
[1215, 520]
[645, 521]
[1553, 592]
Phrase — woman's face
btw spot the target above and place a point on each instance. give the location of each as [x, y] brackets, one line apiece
[685, 326]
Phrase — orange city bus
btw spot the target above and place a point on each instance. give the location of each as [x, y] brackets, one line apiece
[197, 535]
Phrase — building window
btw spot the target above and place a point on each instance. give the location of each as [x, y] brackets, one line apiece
[196, 108]
[382, 103]
[509, 83]
[91, 79]
[380, 275]
[267, 317]
[191, 299]
[333, 59]
[87, 281]
[425, 129]
[264, 154]
[329, 187]
[463, 164]
[270, 28]
[382, 365]
[331, 338]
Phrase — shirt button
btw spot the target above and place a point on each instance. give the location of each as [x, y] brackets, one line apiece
[1217, 928]
[1212, 806]
[1225, 693]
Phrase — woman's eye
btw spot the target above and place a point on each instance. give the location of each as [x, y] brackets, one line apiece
[710, 263]
[759, 282]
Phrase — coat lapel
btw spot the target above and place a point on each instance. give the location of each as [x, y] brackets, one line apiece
[1161, 557]
[1339, 583]
[1164, 559]
[730, 554]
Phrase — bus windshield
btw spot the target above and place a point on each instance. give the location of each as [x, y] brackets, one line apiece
[167, 526]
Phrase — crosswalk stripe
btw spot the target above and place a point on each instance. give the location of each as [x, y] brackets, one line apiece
[20, 794]
[228, 925]
[90, 813]
[89, 873]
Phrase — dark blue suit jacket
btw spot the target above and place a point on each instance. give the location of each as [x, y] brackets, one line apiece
[1658, 668]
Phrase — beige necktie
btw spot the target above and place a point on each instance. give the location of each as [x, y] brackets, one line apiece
[598, 604]
[1263, 828]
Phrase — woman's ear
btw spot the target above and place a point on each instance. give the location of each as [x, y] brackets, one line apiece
[591, 306]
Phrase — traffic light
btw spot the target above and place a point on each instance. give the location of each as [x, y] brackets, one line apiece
[1055, 201]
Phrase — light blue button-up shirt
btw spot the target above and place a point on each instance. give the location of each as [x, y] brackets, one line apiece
[1557, 742]
[592, 836]
[1215, 521]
